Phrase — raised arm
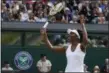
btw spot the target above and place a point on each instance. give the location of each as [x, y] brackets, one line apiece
[48, 43]
[84, 31]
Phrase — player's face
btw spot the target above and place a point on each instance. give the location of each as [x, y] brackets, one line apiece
[72, 37]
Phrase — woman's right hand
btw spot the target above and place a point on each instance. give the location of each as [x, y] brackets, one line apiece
[43, 33]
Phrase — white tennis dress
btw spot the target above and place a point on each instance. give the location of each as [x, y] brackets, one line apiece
[75, 59]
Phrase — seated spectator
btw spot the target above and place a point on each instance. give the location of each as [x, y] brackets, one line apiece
[16, 17]
[29, 7]
[82, 17]
[74, 19]
[9, 2]
[57, 40]
[67, 15]
[44, 65]
[94, 11]
[102, 7]
[106, 42]
[98, 9]
[4, 13]
[7, 67]
[96, 69]
[75, 16]
[45, 13]
[83, 10]
[40, 18]
[24, 16]
[93, 42]
[101, 43]
[31, 18]
[94, 16]
[105, 68]
[59, 18]
[101, 19]
[15, 7]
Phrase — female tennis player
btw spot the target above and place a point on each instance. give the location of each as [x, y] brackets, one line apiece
[75, 51]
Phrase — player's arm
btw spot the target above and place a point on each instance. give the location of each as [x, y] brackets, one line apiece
[85, 35]
[48, 43]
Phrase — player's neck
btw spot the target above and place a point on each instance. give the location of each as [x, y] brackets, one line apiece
[74, 42]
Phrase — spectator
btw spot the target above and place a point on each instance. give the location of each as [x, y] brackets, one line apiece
[44, 1]
[101, 19]
[75, 16]
[101, 43]
[15, 7]
[16, 16]
[94, 44]
[82, 17]
[67, 15]
[103, 5]
[12, 17]
[94, 16]
[44, 65]
[83, 10]
[40, 17]
[106, 42]
[59, 18]
[57, 40]
[96, 69]
[29, 6]
[7, 67]
[80, 6]
[74, 19]
[105, 68]
[98, 9]
[31, 17]
[4, 13]
[93, 11]
[107, 16]
[46, 10]
[24, 16]
[35, 8]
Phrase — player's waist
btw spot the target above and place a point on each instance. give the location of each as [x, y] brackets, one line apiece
[75, 67]
[74, 70]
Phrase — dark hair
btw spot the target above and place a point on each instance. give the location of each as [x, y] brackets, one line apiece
[81, 35]
[6, 62]
[42, 55]
[58, 16]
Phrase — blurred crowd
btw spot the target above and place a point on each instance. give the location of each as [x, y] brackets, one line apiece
[93, 41]
[95, 12]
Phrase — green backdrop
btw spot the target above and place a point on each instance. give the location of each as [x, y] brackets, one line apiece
[94, 56]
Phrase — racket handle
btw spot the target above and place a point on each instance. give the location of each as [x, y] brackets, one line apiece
[45, 25]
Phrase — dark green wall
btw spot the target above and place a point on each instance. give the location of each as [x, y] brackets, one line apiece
[95, 56]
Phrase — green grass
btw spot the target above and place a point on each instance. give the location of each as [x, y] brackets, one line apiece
[8, 37]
